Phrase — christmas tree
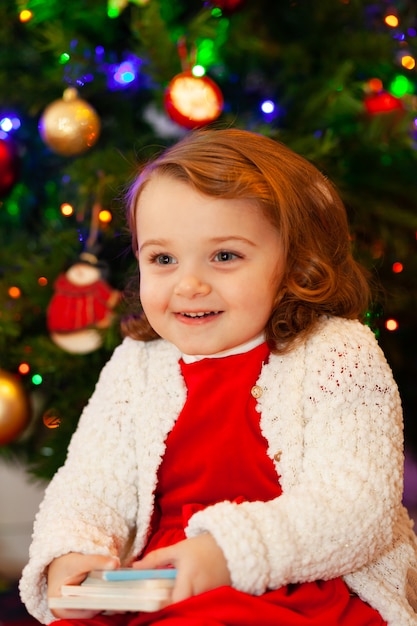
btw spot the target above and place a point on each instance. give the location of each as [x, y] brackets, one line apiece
[90, 91]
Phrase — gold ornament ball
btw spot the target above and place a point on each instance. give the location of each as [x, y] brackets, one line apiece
[14, 407]
[69, 126]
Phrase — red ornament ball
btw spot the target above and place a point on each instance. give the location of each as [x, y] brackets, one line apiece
[382, 102]
[193, 101]
[228, 6]
[9, 166]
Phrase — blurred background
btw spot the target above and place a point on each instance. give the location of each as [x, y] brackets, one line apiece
[90, 90]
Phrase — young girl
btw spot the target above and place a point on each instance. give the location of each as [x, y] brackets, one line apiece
[248, 430]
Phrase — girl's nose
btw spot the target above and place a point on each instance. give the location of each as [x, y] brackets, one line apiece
[191, 286]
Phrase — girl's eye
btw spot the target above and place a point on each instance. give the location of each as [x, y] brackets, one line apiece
[225, 255]
[163, 259]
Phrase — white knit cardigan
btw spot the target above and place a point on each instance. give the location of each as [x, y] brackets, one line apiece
[331, 414]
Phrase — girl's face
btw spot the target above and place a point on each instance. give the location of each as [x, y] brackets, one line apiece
[209, 267]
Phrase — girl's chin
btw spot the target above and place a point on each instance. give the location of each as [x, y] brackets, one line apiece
[205, 348]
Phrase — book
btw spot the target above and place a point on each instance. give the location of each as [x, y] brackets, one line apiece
[125, 589]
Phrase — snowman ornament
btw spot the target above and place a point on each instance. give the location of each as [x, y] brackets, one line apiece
[82, 306]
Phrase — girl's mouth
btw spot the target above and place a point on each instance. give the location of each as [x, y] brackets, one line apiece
[199, 314]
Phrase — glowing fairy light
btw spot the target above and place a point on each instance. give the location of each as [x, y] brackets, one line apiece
[267, 107]
[24, 368]
[25, 15]
[198, 70]
[105, 216]
[64, 58]
[125, 73]
[6, 124]
[66, 209]
[400, 86]
[375, 85]
[391, 20]
[408, 62]
[14, 292]
[397, 267]
[391, 324]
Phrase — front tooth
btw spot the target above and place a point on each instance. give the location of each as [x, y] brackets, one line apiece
[201, 313]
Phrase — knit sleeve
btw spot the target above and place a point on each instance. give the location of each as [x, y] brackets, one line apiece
[341, 478]
[90, 505]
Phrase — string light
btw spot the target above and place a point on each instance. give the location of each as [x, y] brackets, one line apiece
[9, 123]
[391, 20]
[267, 106]
[24, 368]
[67, 209]
[14, 292]
[6, 124]
[105, 216]
[37, 379]
[125, 73]
[64, 58]
[397, 267]
[408, 62]
[400, 86]
[391, 324]
[375, 85]
[25, 15]
[198, 70]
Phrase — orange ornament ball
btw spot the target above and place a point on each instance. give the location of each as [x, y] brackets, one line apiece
[14, 407]
[193, 101]
[69, 126]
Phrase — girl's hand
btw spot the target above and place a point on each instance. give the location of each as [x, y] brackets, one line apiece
[200, 565]
[72, 569]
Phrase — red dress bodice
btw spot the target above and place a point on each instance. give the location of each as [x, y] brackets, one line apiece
[216, 450]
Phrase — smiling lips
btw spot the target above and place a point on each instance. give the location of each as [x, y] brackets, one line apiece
[199, 314]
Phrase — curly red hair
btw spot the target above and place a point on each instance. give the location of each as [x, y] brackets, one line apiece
[321, 276]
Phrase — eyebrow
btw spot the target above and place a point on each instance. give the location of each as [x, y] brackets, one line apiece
[153, 242]
[214, 240]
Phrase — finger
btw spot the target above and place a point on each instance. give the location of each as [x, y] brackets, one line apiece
[89, 563]
[183, 589]
[155, 559]
[73, 614]
[83, 564]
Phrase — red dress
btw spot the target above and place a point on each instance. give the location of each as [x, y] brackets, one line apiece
[216, 452]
